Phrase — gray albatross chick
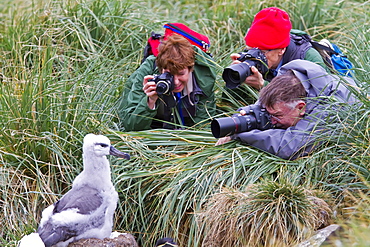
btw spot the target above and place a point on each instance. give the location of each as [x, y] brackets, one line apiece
[86, 211]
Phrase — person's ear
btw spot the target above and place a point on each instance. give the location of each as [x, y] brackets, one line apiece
[301, 106]
[282, 51]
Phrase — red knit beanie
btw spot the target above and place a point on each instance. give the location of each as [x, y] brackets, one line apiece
[270, 29]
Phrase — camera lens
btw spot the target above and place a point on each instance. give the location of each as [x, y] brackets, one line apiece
[256, 118]
[231, 125]
[235, 74]
[163, 87]
[222, 127]
[164, 83]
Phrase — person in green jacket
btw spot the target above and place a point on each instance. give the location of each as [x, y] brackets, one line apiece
[271, 32]
[190, 102]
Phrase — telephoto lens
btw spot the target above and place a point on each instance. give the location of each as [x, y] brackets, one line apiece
[235, 74]
[256, 118]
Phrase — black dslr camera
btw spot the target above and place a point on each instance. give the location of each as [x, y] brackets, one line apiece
[235, 74]
[256, 118]
[164, 83]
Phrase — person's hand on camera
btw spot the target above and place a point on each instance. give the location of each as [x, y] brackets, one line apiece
[223, 140]
[242, 112]
[149, 88]
[234, 57]
[255, 80]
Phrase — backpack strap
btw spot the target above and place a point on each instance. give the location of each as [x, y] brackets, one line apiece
[195, 38]
[297, 48]
[327, 52]
[319, 46]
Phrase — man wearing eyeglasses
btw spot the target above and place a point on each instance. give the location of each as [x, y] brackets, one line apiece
[302, 100]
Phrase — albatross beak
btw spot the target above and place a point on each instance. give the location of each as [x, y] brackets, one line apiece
[116, 152]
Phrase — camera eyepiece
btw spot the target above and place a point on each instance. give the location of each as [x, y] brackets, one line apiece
[235, 74]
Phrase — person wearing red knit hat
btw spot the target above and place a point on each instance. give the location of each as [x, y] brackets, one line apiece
[270, 32]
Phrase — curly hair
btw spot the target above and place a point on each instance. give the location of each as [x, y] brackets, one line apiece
[283, 88]
[175, 54]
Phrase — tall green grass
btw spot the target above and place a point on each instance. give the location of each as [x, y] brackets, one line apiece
[63, 66]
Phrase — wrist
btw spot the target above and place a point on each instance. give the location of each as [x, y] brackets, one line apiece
[259, 84]
[151, 103]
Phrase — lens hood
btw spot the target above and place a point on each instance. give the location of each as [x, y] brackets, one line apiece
[235, 74]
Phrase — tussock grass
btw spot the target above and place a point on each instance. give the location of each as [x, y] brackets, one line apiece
[272, 213]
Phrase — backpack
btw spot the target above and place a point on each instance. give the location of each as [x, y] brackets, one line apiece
[331, 53]
[151, 47]
[337, 60]
[193, 37]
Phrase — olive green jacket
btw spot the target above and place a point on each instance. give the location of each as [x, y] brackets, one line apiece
[133, 109]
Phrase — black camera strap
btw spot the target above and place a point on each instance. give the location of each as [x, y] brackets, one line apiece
[168, 100]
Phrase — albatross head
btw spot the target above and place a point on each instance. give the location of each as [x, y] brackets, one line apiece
[100, 145]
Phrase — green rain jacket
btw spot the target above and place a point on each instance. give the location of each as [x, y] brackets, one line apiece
[133, 109]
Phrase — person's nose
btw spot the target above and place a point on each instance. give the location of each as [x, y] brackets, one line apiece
[176, 80]
[274, 120]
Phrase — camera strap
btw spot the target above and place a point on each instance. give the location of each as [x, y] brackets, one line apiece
[179, 107]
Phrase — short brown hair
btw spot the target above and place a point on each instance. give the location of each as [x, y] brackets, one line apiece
[283, 88]
[175, 54]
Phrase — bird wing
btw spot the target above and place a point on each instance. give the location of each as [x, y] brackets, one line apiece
[84, 198]
[51, 235]
[70, 215]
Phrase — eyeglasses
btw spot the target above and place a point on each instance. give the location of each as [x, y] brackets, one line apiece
[276, 118]
[264, 52]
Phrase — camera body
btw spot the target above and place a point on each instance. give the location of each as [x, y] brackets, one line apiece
[256, 118]
[164, 83]
[235, 74]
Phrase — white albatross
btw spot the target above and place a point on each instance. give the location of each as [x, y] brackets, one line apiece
[85, 211]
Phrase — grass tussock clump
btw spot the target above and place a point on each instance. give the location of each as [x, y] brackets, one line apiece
[272, 213]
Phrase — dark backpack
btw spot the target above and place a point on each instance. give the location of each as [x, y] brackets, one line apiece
[152, 45]
[331, 54]
[194, 38]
